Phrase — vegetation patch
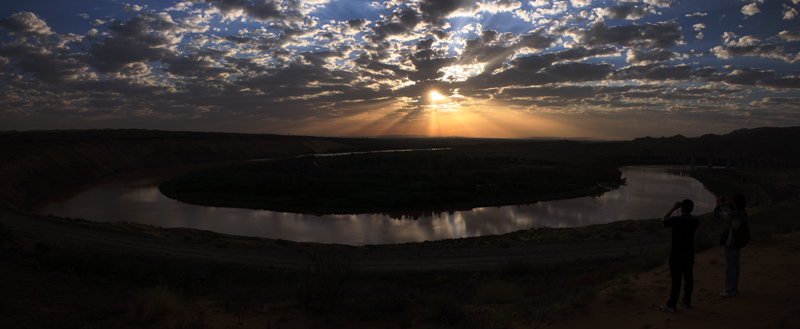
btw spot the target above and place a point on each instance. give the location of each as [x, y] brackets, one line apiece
[399, 181]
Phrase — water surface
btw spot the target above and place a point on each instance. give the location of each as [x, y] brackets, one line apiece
[134, 197]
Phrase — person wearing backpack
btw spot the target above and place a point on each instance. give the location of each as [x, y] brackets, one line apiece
[681, 254]
[735, 235]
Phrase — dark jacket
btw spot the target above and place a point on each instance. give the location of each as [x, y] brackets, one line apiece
[683, 228]
[733, 221]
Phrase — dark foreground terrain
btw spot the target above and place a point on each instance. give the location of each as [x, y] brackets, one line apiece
[70, 273]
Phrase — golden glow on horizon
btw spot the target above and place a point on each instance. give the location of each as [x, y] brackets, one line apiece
[494, 120]
[453, 116]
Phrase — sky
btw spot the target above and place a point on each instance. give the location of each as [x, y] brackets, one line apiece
[505, 69]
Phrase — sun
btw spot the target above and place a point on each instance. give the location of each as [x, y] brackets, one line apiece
[436, 96]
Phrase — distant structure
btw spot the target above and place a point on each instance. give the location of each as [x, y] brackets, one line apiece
[710, 160]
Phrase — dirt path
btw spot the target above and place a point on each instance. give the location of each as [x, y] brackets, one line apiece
[769, 294]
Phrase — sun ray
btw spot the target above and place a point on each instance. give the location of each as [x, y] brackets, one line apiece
[436, 96]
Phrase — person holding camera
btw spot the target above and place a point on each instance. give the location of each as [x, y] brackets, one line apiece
[681, 254]
[735, 235]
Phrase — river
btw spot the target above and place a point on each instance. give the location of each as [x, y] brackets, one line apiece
[134, 197]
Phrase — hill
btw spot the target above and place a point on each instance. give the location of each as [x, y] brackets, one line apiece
[36, 164]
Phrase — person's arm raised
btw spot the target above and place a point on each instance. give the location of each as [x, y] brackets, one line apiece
[676, 206]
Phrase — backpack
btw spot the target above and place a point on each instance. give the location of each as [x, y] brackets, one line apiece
[742, 235]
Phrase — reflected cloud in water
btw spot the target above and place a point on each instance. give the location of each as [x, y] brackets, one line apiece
[649, 191]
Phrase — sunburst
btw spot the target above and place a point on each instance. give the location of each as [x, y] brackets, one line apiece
[436, 96]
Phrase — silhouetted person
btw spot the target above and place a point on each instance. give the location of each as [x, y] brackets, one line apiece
[681, 254]
[733, 221]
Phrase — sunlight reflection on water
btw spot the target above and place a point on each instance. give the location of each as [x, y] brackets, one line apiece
[649, 192]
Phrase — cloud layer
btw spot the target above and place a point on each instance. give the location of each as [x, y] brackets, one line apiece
[507, 68]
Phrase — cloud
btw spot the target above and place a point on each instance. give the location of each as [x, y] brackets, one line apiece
[539, 3]
[697, 29]
[263, 11]
[750, 10]
[649, 36]
[145, 38]
[47, 60]
[789, 35]
[638, 57]
[535, 63]
[747, 76]
[578, 72]
[63, 40]
[544, 11]
[52, 67]
[697, 15]
[627, 12]
[436, 11]
[573, 72]
[659, 3]
[203, 65]
[143, 25]
[118, 53]
[785, 102]
[789, 12]
[565, 92]
[500, 6]
[730, 40]
[133, 8]
[112, 92]
[749, 46]
[537, 39]
[218, 62]
[27, 25]
[486, 48]
[355, 25]
[657, 72]
[580, 3]
[396, 25]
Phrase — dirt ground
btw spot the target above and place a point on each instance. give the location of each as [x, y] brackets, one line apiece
[769, 295]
